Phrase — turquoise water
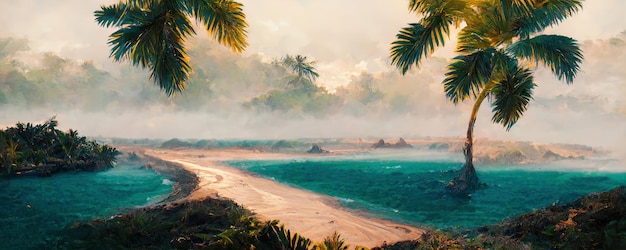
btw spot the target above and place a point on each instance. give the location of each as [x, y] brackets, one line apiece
[35, 209]
[412, 190]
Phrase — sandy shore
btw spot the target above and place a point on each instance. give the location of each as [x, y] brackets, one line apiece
[312, 215]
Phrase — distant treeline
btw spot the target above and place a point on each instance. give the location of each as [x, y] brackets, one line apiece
[224, 84]
[220, 83]
[43, 150]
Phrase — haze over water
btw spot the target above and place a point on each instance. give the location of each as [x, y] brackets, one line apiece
[350, 44]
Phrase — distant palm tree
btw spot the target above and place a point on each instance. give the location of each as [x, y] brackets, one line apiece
[300, 66]
[498, 48]
[152, 33]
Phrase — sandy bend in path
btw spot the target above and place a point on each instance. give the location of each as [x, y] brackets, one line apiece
[312, 215]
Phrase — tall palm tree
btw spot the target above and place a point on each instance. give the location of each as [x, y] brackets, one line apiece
[498, 48]
[152, 33]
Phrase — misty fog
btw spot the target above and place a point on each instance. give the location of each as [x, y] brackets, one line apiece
[51, 71]
[216, 103]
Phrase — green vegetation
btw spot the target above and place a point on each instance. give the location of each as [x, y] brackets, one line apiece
[221, 83]
[43, 150]
[496, 48]
[299, 93]
[595, 221]
[200, 224]
[152, 34]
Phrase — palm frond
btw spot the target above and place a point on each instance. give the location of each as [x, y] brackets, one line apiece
[502, 62]
[437, 7]
[471, 40]
[304, 68]
[497, 26]
[544, 14]
[425, 6]
[224, 20]
[156, 42]
[112, 15]
[467, 74]
[516, 7]
[511, 96]
[418, 41]
[288, 61]
[333, 242]
[560, 53]
[170, 69]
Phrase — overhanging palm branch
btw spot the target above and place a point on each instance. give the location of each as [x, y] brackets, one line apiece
[418, 41]
[224, 19]
[152, 34]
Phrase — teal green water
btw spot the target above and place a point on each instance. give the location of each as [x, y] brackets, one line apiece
[35, 209]
[412, 190]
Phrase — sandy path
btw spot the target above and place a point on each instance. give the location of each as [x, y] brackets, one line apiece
[309, 214]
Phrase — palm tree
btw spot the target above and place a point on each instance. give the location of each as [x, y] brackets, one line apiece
[498, 49]
[300, 66]
[152, 33]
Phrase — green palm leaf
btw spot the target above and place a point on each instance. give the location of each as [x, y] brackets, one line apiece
[516, 7]
[304, 68]
[467, 74]
[152, 34]
[471, 40]
[418, 41]
[561, 54]
[544, 14]
[156, 42]
[437, 7]
[113, 15]
[224, 20]
[511, 96]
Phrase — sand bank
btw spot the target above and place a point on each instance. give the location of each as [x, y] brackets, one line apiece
[312, 215]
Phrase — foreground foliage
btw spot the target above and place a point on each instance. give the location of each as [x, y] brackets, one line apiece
[43, 150]
[152, 34]
[594, 221]
[200, 224]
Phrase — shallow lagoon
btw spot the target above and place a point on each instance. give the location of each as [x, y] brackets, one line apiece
[35, 209]
[410, 190]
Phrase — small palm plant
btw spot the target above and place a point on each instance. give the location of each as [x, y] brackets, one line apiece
[498, 48]
[334, 242]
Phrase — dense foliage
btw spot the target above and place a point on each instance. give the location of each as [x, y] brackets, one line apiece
[594, 221]
[43, 149]
[199, 224]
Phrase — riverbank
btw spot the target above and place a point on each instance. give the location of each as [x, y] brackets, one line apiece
[312, 215]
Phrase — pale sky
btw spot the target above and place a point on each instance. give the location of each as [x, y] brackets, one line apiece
[345, 37]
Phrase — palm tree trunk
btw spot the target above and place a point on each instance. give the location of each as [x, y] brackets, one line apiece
[467, 180]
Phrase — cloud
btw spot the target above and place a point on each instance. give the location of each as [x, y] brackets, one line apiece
[346, 38]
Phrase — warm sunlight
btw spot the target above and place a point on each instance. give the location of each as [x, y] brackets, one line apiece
[224, 124]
